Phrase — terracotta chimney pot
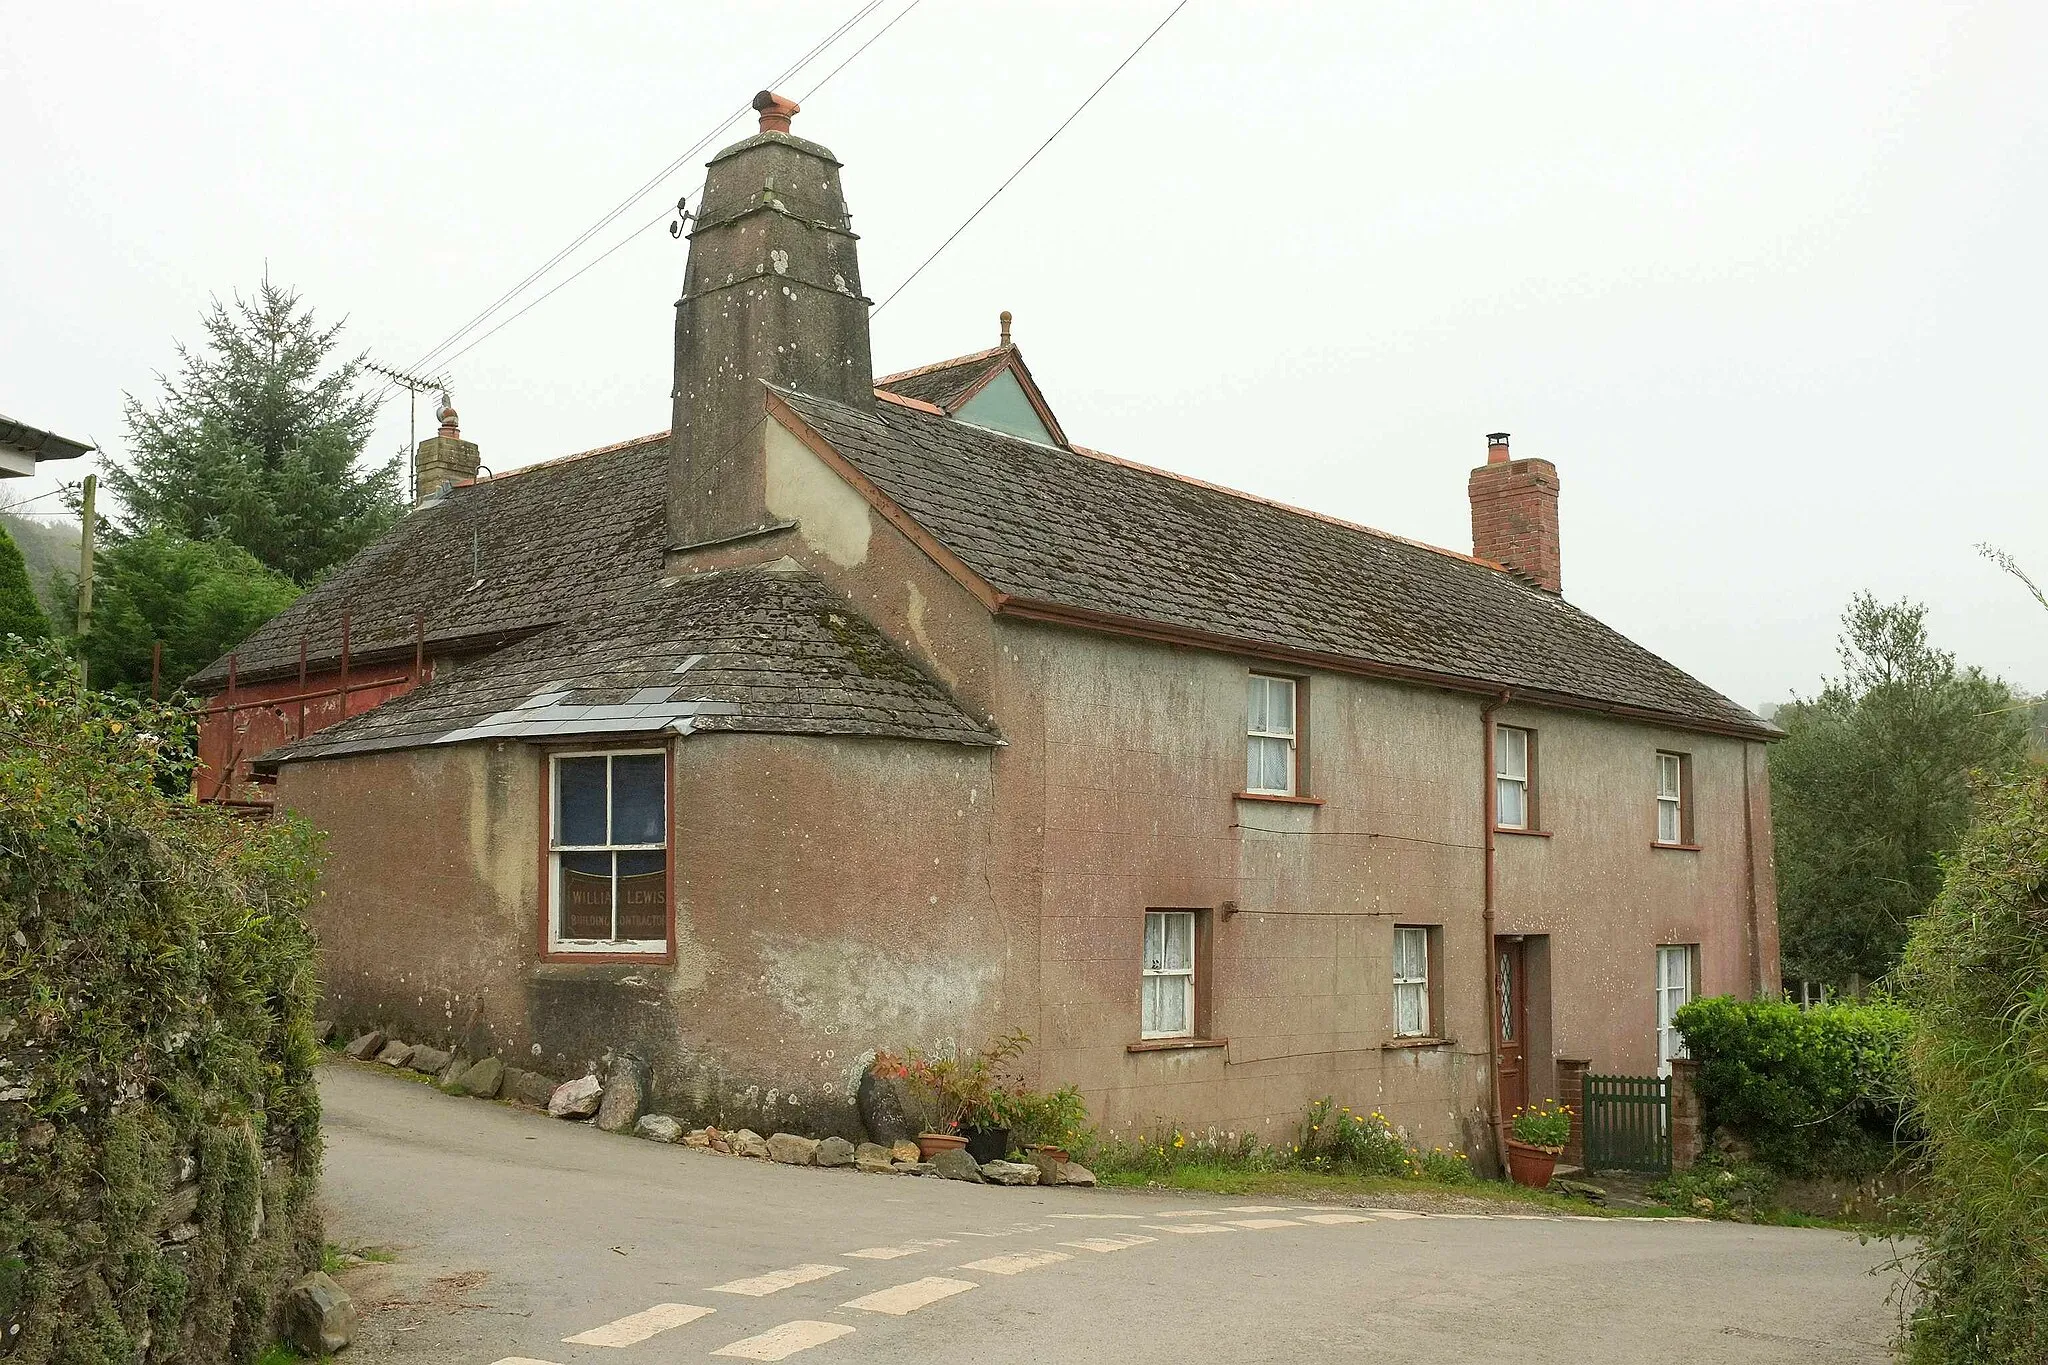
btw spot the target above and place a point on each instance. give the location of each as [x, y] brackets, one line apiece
[775, 110]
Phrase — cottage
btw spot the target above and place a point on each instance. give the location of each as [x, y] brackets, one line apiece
[857, 713]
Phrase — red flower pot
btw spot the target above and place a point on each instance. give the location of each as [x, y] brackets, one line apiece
[930, 1144]
[1530, 1166]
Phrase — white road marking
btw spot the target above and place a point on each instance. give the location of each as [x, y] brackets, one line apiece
[780, 1343]
[1257, 1223]
[1018, 1264]
[1398, 1213]
[908, 1298]
[881, 1253]
[1192, 1213]
[1189, 1228]
[1525, 1217]
[1258, 1208]
[521, 1360]
[1109, 1244]
[1335, 1218]
[1132, 1217]
[776, 1279]
[637, 1327]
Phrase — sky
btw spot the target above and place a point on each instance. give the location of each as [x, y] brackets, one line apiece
[1765, 281]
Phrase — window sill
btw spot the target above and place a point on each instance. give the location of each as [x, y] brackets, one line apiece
[1527, 833]
[1174, 1044]
[1676, 848]
[558, 957]
[1276, 796]
[1400, 1044]
[596, 966]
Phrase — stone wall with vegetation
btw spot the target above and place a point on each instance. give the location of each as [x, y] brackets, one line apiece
[159, 1126]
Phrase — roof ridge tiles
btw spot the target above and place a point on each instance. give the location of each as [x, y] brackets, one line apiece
[937, 365]
[560, 460]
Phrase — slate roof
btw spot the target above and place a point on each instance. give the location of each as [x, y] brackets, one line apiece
[743, 650]
[1082, 530]
[943, 384]
[493, 560]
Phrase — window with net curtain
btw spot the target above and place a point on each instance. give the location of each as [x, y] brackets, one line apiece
[609, 847]
[1168, 1003]
[1511, 750]
[1270, 736]
[1411, 982]
[1671, 798]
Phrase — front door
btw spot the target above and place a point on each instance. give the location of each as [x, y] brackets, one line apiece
[1512, 980]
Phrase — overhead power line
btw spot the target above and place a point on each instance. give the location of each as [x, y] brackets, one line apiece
[1133, 56]
[614, 247]
[438, 353]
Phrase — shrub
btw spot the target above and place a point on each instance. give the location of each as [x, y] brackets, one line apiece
[1814, 1091]
[1715, 1187]
[1056, 1118]
[156, 989]
[1975, 977]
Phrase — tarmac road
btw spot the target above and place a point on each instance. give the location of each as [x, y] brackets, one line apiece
[514, 1232]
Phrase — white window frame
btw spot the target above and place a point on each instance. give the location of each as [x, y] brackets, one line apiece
[1289, 735]
[1504, 778]
[1671, 798]
[556, 848]
[1160, 969]
[1677, 973]
[1418, 985]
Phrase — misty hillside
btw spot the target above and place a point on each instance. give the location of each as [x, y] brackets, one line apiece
[51, 548]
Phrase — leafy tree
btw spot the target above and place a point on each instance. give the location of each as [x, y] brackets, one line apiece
[20, 613]
[200, 597]
[252, 443]
[1872, 786]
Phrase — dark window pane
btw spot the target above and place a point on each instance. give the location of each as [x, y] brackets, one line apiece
[637, 799]
[586, 901]
[579, 812]
[643, 896]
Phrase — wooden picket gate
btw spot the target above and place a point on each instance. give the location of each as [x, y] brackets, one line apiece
[1628, 1123]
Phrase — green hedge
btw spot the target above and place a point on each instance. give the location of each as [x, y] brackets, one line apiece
[1975, 976]
[1816, 1092]
[159, 1126]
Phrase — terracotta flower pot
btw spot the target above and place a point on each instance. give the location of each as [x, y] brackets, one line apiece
[931, 1144]
[1530, 1166]
[1056, 1153]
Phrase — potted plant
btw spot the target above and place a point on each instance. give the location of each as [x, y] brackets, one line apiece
[964, 1096]
[929, 1081]
[987, 1098]
[1540, 1132]
[1047, 1121]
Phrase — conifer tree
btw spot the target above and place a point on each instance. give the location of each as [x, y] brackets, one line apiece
[20, 613]
[258, 440]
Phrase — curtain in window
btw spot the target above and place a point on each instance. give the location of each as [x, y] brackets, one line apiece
[1670, 785]
[1511, 785]
[1411, 982]
[1269, 726]
[1168, 1002]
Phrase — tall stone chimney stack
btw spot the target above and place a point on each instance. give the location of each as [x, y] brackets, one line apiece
[444, 458]
[771, 295]
[1514, 514]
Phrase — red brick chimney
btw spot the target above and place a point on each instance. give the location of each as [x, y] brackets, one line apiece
[1514, 514]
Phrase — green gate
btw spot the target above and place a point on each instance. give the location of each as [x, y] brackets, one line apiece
[1628, 1123]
